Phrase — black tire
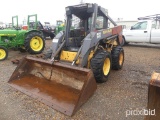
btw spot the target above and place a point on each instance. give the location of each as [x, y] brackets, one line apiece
[52, 36]
[3, 53]
[22, 50]
[48, 54]
[123, 42]
[98, 65]
[117, 57]
[34, 43]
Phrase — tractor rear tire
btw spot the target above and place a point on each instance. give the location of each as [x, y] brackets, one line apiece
[101, 65]
[34, 43]
[117, 57]
[3, 53]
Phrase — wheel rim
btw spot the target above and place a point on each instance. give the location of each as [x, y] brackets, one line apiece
[2, 54]
[121, 57]
[36, 43]
[106, 66]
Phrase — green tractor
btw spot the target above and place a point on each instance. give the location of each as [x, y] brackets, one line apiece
[60, 26]
[31, 40]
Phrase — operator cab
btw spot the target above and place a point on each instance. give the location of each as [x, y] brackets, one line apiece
[81, 19]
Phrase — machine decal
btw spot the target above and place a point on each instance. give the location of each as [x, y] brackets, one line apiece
[107, 31]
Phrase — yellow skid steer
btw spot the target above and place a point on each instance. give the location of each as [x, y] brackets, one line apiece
[78, 58]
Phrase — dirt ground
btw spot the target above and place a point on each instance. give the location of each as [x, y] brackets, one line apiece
[125, 90]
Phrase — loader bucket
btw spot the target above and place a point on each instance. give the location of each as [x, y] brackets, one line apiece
[154, 98]
[60, 86]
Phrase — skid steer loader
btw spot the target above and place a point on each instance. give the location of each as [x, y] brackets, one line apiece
[77, 59]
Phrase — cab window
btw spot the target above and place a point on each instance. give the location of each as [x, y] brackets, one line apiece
[99, 22]
[140, 26]
[153, 24]
[157, 24]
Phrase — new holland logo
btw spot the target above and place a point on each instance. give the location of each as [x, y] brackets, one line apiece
[107, 31]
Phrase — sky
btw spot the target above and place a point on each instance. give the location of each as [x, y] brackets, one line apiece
[52, 10]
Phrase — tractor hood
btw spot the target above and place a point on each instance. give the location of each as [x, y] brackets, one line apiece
[6, 31]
